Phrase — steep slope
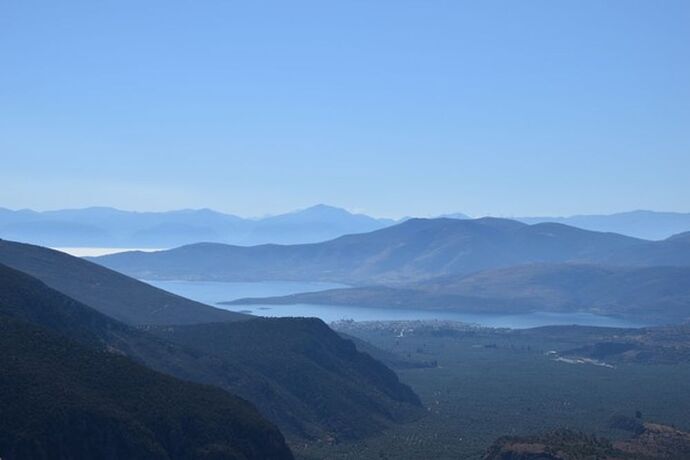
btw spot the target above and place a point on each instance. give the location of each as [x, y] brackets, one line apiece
[109, 292]
[414, 250]
[655, 294]
[372, 394]
[65, 393]
[63, 400]
[333, 390]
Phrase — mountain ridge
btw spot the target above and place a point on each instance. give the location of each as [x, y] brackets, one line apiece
[102, 226]
[410, 251]
[645, 224]
[264, 361]
[69, 390]
[111, 227]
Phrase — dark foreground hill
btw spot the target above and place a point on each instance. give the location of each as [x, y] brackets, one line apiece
[652, 294]
[65, 397]
[305, 376]
[414, 250]
[300, 374]
[112, 293]
[270, 362]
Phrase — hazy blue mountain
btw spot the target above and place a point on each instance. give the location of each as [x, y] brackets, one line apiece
[61, 233]
[651, 225]
[673, 251]
[68, 390]
[317, 223]
[108, 227]
[300, 374]
[455, 215]
[653, 294]
[413, 250]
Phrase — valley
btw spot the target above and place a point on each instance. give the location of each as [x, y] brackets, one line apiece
[424, 365]
[427, 339]
[490, 383]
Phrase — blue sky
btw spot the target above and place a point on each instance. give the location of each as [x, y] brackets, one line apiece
[388, 107]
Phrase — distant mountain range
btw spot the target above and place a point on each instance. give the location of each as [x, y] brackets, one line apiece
[414, 250]
[649, 225]
[108, 227]
[298, 372]
[480, 265]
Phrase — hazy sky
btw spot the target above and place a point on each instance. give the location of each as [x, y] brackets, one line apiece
[389, 107]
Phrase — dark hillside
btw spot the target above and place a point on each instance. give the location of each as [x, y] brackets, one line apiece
[109, 292]
[60, 399]
[265, 366]
[67, 391]
[331, 389]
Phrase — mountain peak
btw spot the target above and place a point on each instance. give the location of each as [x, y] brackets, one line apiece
[455, 215]
[324, 208]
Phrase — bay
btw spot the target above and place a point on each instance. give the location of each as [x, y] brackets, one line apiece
[212, 292]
